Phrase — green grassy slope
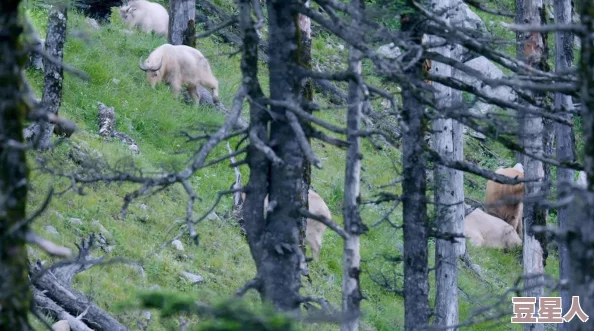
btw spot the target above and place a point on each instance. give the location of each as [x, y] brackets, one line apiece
[155, 119]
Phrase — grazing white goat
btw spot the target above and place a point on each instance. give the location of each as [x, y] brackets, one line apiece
[178, 65]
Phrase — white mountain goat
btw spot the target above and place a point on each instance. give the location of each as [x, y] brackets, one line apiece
[178, 65]
[146, 16]
[314, 231]
[484, 230]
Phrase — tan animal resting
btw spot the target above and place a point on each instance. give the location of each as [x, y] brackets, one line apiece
[177, 65]
[314, 231]
[511, 213]
[484, 230]
[146, 16]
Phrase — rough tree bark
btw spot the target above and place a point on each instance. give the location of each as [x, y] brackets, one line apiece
[414, 164]
[532, 48]
[304, 40]
[274, 241]
[353, 225]
[182, 24]
[40, 132]
[580, 239]
[281, 263]
[565, 148]
[259, 165]
[14, 174]
[449, 190]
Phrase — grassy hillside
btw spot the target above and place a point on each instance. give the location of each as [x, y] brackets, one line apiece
[155, 119]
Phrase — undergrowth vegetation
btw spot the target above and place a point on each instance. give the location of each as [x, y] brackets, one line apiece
[156, 120]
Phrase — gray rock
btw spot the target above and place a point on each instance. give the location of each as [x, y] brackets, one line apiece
[115, 81]
[110, 249]
[134, 148]
[127, 32]
[99, 227]
[143, 206]
[193, 278]
[51, 229]
[389, 51]
[32, 253]
[140, 271]
[213, 217]
[146, 315]
[489, 70]
[177, 245]
[154, 287]
[75, 221]
[477, 135]
[463, 16]
[92, 23]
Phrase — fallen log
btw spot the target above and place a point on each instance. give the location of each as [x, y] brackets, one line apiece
[55, 283]
[48, 306]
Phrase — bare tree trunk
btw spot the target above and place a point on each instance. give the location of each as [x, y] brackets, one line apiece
[40, 132]
[259, 165]
[307, 91]
[15, 296]
[281, 263]
[275, 241]
[182, 22]
[581, 218]
[565, 142]
[532, 48]
[353, 225]
[414, 164]
[533, 215]
[449, 192]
